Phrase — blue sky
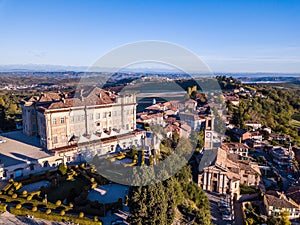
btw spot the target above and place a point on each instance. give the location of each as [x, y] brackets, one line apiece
[252, 35]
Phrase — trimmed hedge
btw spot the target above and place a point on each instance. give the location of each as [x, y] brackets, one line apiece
[58, 203]
[33, 202]
[3, 207]
[55, 217]
[7, 187]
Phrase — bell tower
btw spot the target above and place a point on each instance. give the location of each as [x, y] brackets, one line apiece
[209, 132]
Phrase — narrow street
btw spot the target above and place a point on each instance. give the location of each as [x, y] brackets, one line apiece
[216, 217]
[238, 214]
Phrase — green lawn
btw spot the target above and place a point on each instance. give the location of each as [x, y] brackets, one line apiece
[62, 191]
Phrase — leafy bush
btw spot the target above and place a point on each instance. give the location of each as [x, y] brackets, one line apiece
[18, 186]
[94, 185]
[14, 196]
[10, 192]
[24, 193]
[62, 212]
[35, 193]
[58, 203]
[3, 207]
[62, 168]
[7, 187]
[48, 211]
[81, 215]
[34, 209]
[244, 189]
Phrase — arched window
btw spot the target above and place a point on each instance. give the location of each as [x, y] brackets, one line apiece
[46, 164]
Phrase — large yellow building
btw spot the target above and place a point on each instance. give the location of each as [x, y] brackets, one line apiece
[94, 122]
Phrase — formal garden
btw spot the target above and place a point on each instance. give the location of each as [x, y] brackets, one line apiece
[76, 194]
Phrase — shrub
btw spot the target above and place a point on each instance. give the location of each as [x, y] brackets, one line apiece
[94, 185]
[58, 203]
[10, 192]
[18, 186]
[34, 209]
[48, 211]
[19, 206]
[14, 196]
[62, 212]
[3, 207]
[24, 193]
[92, 180]
[35, 193]
[29, 197]
[62, 168]
[71, 205]
[96, 219]
[16, 183]
[81, 215]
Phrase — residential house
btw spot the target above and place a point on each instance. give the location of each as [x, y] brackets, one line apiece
[236, 148]
[275, 205]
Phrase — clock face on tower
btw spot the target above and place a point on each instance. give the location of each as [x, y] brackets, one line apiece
[208, 135]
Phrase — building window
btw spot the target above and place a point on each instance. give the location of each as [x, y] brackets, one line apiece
[54, 139]
[91, 116]
[46, 164]
[109, 114]
[98, 116]
[63, 138]
[98, 124]
[31, 167]
[54, 121]
[68, 158]
[62, 120]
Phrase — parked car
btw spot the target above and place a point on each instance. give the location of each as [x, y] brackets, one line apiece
[2, 141]
[226, 216]
[223, 209]
[222, 204]
[117, 222]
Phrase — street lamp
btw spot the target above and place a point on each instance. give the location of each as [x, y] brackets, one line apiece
[46, 200]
